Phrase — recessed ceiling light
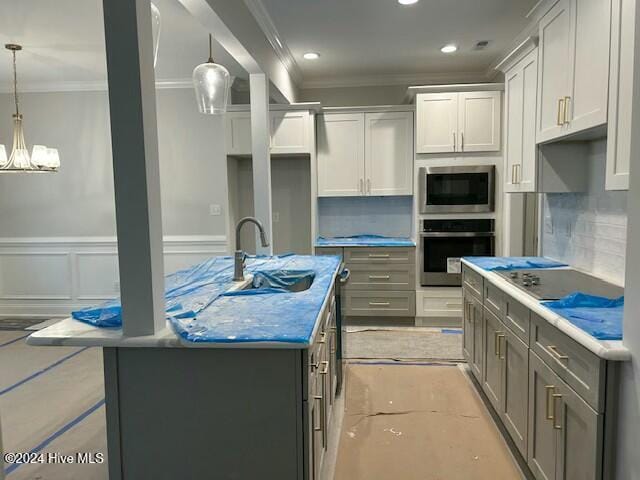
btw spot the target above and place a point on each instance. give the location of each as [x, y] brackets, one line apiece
[449, 48]
[407, 2]
[311, 56]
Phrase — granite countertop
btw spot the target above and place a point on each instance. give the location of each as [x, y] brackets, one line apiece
[228, 317]
[607, 349]
[364, 241]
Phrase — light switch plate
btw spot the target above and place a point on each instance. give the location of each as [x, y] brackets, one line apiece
[215, 210]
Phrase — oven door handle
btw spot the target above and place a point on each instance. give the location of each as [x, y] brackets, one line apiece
[456, 234]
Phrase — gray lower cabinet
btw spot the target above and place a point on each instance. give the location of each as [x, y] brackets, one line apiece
[382, 281]
[549, 392]
[239, 412]
[565, 434]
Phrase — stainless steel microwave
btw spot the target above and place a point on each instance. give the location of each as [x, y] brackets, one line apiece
[457, 189]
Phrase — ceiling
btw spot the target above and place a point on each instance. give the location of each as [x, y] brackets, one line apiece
[366, 38]
[63, 42]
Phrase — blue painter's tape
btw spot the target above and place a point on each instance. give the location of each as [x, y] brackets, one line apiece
[40, 372]
[364, 241]
[42, 445]
[451, 331]
[13, 341]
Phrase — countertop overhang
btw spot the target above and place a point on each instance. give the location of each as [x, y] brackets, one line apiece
[613, 350]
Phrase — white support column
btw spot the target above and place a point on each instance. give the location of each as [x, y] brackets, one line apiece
[134, 137]
[260, 150]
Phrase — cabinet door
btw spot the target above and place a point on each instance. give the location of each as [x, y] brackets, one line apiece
[479, 115]
[620, 91]
[341, 155]
[290, 132]
[389, 153]
[467, 339]
[515, 389]
[543, 443]
[590, 38]
[554, 71]
[478, 344]
[521, 85]
[493, 341]
[579, 434]
[436, 122]
[238, 133]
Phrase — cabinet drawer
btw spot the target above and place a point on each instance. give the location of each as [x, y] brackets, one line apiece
[329, 251]
[578, 367]
[493, 299]
[381, 277]
[517, 318]
[472, 282]
[386, 304]
[439, 302]
[379, 255]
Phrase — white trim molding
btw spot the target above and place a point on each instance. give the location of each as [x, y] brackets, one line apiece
[394, 79]
[90, 86]
[51, 276]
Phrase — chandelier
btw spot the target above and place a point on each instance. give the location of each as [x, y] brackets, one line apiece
[42, 159]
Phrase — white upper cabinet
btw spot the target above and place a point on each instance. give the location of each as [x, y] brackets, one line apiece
[573, 73]
[290, 133]
[479, 121]
[520, 124]
[437, 122]
[238, 133]
[365, 154]
[389, 153]
[458, 122]
[620, 94]
[341, 155]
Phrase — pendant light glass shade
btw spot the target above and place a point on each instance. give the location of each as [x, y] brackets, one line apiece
[155, 29]
[3, 156]
[211, 82]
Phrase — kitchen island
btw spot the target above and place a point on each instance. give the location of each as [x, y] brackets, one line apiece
[240, 386]
[553, 386]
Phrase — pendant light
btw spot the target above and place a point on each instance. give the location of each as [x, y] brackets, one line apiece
[42, 159]
[211, 82]
[155, 30]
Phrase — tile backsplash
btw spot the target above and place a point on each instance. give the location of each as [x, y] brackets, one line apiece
[345, 216]
[588, 230]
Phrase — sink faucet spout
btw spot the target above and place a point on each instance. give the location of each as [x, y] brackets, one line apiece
[240, 256]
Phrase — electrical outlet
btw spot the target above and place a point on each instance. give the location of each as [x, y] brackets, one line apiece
[215, 210]
[276, 217]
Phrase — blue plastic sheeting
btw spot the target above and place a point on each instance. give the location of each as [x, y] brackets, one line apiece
[598, 316]
[365, 241]
[513, 263]
[200, 308]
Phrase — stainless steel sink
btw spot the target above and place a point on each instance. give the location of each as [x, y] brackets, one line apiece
[292, 280]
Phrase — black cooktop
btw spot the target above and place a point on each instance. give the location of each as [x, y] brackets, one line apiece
[554, 284]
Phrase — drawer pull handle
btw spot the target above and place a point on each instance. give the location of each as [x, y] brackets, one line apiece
[325, 367]
[549, 389]
[323, 337]
[499, 345]
[317, 429]
[379, 277]
[561, 112]
[553, 349]
[379, 304]
[453, 304]
[379, 255]
[556, 396]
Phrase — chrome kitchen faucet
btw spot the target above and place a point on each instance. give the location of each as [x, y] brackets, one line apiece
[240, 256]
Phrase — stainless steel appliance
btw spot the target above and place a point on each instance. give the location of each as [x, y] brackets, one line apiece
[457, 189]
[444, 242]
[557, 283]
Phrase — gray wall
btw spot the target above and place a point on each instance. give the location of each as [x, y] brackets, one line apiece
[78, 201]
[355, 96]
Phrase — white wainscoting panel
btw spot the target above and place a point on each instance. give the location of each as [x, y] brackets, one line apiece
[50, 277]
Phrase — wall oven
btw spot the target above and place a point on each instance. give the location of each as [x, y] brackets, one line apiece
[444, 242]
[457, 189]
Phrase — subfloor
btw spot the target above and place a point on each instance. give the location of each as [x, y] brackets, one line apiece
[410, 411]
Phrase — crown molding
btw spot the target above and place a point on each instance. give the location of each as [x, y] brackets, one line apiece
[517, 54]
[261, 14]
[89, 86]
[399, 79]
